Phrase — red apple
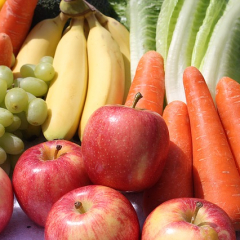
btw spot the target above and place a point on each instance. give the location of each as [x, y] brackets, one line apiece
[188, 218]
[44, 173]
[6, 199]
[124, 147]
[92, 212]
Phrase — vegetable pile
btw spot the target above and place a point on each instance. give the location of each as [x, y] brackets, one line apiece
[199, 42]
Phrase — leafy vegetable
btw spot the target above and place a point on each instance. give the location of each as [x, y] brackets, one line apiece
[190, 18]
[181, 33]
[214, 12]
[165, 25]
[142, 17]
[222, 57]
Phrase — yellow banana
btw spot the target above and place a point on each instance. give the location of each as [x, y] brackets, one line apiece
[106, 71]
[67, 91]
[121, 35]
[41, 41]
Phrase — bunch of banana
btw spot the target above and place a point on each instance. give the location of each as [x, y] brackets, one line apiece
[92, 69]
[41, 41]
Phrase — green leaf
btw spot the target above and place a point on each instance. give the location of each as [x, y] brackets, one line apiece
[143, 17]
[214, 12]
[190, 19]
[222, 57]
[165, 25]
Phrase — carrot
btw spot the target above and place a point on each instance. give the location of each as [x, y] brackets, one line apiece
[215, 174]
[149, 80]
[176, 178]
[228, 106]
[16, 19]
[6, 50]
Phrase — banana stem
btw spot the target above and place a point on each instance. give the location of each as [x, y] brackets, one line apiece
[101, 18]
[92, 20]
[76, 8]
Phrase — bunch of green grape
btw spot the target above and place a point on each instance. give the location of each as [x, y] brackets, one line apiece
[22, 106]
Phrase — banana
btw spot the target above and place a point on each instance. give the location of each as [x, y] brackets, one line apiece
[41, 41]
[122, 36]
[67, 91]
[106, 71]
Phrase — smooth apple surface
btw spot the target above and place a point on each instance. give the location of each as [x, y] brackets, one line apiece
[44, 173]
[6, 199]
[93, 212]
[173, 220]
[125, 148]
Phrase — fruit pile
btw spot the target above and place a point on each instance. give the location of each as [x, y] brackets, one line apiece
[105, 133]
[92, 52]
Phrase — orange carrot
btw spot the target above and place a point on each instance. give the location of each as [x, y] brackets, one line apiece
[6, 50]
[16, 19]
[228, 106]
[215, 174]
[149, 80]
[176, 178]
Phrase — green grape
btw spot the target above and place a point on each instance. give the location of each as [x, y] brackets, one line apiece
[6, 74]
[24, 122]
[11, 143]
[47, 59]
[16, 100]
[15, 124]
[16, 82]
[30, 97]
[35, 86]
[3, 155]
[44, 71]
[37, 112]
[2, 129]
[6, 117]
[27, 70]
[3, 89]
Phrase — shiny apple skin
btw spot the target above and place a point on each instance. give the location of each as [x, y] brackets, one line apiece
[6, 199]
[109, 216]
[125, 148]
[38, 182]
[171, 220]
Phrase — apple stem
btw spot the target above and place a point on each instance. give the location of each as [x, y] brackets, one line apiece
[198, 206]
[137, 97]
[78, 205]
[58, 148]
